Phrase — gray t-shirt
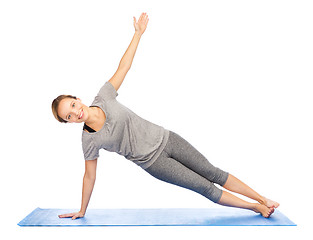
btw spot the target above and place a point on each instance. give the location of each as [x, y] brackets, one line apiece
[124, 132]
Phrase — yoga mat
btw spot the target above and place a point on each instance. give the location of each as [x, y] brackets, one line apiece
[156, 217]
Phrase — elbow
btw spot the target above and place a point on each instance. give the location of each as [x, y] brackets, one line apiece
[124, 67]
[90, 177]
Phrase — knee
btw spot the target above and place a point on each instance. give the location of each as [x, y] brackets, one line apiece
[212, 192]
[218, 176]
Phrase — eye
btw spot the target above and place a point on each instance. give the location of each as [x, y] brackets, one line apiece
[73, 105]
[69, 117]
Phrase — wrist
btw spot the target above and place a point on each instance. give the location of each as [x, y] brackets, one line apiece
[137, 33]
[82, 212]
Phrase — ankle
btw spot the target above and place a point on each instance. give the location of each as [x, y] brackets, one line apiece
[255, 207]
[262, 200]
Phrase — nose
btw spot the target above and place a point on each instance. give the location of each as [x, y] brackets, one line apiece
[75, 113]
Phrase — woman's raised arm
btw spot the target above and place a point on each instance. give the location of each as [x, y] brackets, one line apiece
[127, 59]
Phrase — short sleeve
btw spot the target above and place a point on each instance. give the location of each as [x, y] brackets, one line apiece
[91, 151]
[107, 92]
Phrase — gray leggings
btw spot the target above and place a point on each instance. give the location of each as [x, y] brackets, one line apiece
[182, 165]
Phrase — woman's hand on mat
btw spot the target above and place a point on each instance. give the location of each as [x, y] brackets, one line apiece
[142, 23]
[72, 215]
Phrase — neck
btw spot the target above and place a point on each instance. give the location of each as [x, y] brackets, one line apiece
[96, 118]
[93, 115]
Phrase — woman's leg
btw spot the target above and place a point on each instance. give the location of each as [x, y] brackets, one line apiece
[229, 200]
[171, 171]
[182, 151]
[235, 185]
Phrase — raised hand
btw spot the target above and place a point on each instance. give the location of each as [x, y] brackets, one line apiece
[142, 23]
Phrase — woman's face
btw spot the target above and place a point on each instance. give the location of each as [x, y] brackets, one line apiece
[73, 110]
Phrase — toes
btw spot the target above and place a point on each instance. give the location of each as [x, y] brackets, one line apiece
[271, 211]
[271, 204]
[265, 211]
[275, 205]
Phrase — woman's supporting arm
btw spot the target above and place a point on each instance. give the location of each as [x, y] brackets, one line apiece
[128, 56]
[88, 184]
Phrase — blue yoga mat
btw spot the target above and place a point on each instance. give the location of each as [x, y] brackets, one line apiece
[156, 217]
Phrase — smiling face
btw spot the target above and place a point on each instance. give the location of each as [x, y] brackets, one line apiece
[73, 110]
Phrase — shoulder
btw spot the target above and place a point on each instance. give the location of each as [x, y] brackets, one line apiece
[90, 148]
[107, 92]
[86, 138]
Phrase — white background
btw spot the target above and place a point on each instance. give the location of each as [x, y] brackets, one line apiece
[232, 77]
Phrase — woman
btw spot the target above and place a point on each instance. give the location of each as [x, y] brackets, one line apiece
[162, 153]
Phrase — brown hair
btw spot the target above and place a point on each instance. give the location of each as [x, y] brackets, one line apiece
[55, 106]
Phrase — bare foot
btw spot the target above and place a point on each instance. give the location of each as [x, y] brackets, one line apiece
[270, 203]
[264, 210]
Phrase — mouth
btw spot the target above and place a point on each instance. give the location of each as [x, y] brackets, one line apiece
[81, 114]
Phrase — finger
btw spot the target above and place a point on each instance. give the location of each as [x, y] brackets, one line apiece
[66, 215]
[141, 17]
[135, 22]
[146, 18]
[76, 216]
